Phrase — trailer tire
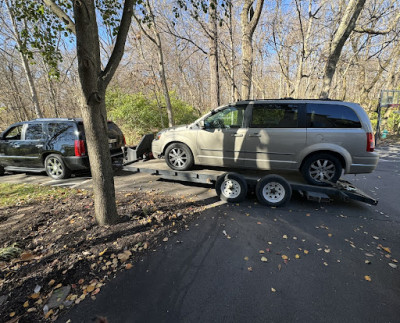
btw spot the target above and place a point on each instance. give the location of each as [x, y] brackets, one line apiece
[231, 187]
[273, 190]
[321, 168]
[178, 156]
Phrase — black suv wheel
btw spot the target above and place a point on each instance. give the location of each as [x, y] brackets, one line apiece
[56, 168]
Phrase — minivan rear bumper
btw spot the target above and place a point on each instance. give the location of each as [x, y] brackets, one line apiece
[364, 164]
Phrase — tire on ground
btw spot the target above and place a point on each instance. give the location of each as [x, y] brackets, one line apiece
[322, 168]
[273, 190]
[231, 187]
[56, 168]
[178, 156]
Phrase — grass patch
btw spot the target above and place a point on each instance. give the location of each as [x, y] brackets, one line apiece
[22, 194]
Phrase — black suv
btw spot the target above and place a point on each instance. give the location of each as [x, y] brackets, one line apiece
[57, 146]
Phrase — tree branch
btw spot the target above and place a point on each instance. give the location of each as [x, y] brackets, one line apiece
[61, 14]
[119, 46]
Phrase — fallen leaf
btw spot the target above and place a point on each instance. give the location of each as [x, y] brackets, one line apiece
[305, 251]
[35, 295]
[165, 239]
[103, 252]
[279, 267]
[367, 262]
[308, 214]
[12, 314]
[284, 236]
[246, 258]
[26, 304]
[264, 259]
[273, 290]
[269, 242]
[261, 251]
[90, 288]
[327, 250]
[81, 281]
[258, 222]
[392, 265]
[48, 314]
[128, 266]
[375, 237]
[284, 257]
[51, 282]
[387, 249]
[325, 263]
[250, 268]
[367, 278]
[297, 256]
[58, 286]
[369, 254]
[96, 291]
[329, 235]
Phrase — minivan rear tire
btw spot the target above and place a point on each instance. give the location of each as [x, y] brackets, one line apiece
[321, 169]
[56, 168]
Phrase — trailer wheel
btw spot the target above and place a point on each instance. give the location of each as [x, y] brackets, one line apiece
[231, 187]
[179, 157]
[320, 169]
[273, 190]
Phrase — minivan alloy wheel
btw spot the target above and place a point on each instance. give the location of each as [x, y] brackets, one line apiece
[322, 170]
[178, 157]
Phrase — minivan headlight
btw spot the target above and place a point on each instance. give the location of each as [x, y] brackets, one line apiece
[158, 135]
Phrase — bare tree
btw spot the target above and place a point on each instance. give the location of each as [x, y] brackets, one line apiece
[346, 26]
[249, 19]
[156, 40]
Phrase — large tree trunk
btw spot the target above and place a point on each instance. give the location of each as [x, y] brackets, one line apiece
[346, 26]
[94, 111]
[249, 19]
[213, 56]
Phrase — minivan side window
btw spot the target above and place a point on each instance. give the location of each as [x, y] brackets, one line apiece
[34, 131]
[331, 116]
[230, 117]
[61, 131]
[274, 115]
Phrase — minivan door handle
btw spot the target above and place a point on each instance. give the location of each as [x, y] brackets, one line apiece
[255, 135]
[237, 135]
[39, 146]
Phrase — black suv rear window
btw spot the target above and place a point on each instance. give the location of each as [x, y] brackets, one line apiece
[62, 131]
[331, 116]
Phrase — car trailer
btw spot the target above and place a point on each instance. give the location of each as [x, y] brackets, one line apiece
[271, 189]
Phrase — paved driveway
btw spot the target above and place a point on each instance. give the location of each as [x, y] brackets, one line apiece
[333, 262]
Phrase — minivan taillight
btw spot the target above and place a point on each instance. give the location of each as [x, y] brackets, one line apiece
[80, 148]
[370, 142]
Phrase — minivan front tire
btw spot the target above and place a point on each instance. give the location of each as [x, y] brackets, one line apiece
[321, 169]
[179, 157]
[56, 168]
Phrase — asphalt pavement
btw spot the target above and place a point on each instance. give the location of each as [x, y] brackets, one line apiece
[305, 262]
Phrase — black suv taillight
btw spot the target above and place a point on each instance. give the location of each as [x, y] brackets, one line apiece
[80, 148]
[370, 142]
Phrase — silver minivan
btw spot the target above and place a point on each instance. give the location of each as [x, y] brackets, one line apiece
[320, 138]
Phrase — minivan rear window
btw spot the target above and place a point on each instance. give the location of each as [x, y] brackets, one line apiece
[331, 116]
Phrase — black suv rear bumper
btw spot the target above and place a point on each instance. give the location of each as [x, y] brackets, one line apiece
[82, 163]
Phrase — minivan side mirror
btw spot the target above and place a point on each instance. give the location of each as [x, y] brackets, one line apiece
[201, 124]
